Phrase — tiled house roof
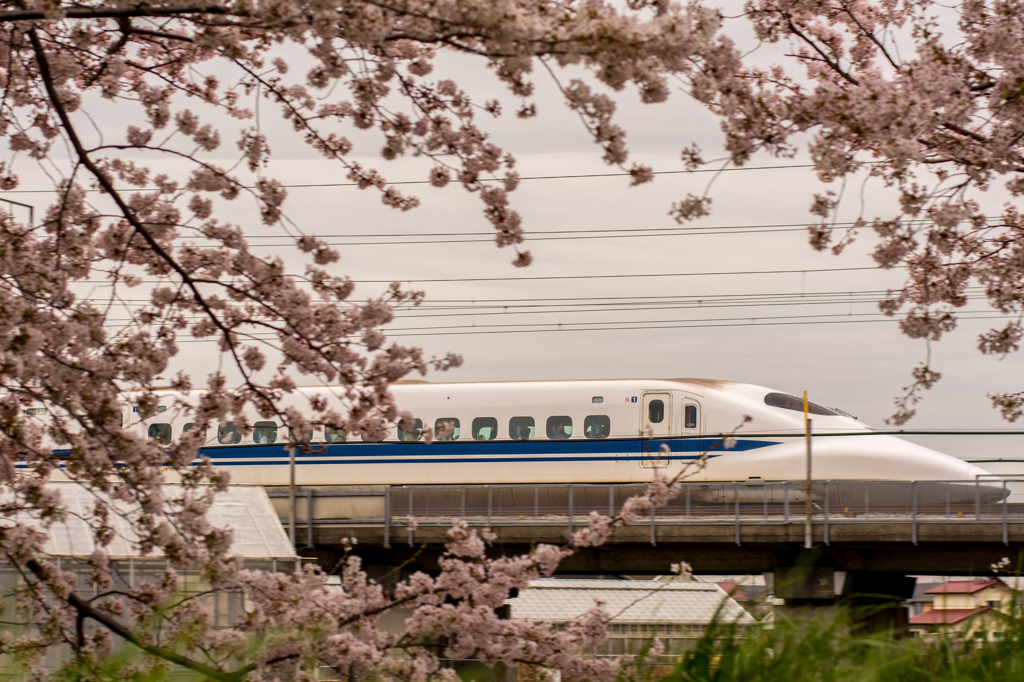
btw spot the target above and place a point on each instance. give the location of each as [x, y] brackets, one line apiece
[627, 601]
[966, 586]
[945, 616]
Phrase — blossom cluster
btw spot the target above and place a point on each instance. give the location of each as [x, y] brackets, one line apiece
[182, 78]
[924, 97]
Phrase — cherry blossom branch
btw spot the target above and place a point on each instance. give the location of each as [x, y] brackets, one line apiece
[870, 35]
[129, 214]
[85, 609]
[113, 12]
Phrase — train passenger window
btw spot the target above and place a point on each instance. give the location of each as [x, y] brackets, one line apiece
[597, 426]
[454, 435]
[656, 411]
[690, 416]
[375, 437]
[412, 434]
[228, 434]
[161, 408]
[521, 428]
[36, 411]
[485, 428]
[264, 433]
[597, 399]
[190, 427]
[332, 435]
[559, 427]
[161, 433]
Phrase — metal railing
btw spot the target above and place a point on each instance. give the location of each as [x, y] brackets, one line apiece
[737, 504]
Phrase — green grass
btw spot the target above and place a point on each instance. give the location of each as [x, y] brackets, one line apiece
[825, 650]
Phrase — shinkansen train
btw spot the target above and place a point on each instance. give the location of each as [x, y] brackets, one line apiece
[571, 432]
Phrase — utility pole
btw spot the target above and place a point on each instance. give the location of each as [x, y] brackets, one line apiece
[291, 493]
[809, 491]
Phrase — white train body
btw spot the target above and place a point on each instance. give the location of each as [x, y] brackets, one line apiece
[611, 433]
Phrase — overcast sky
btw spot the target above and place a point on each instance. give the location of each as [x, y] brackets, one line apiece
[858, 366]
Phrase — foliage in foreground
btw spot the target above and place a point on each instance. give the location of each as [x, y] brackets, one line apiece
[825, 650]
[821, 649]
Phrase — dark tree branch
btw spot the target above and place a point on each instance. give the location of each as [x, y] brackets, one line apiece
[85, 610]
[833, 64]
[871, 35]
[105, 183]
[140, 10]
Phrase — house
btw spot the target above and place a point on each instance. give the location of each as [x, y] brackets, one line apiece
[259, 539]
[674, 611]
[966, 608]
[922, 599]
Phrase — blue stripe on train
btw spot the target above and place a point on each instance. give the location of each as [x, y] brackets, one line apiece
[447, 452]
[434, 460]
[471, 451]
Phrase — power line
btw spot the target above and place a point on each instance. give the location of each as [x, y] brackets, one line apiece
[427, 182]
[550, 235]
[640, 302]
[473, 312]
[477, 313]
[481, 303]
[666, 232]
[601, 306]
[749, 320]
[625, 325]
[107, 283]
[491, 233]
[630, 276]
[664, 326]
[469, 311]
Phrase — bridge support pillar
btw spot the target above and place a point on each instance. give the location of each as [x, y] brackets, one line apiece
[874, 598]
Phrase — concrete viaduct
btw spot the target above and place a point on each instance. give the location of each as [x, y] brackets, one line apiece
[865, 538]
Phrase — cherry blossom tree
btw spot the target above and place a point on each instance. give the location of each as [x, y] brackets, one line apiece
[926, 99]
[921, 97]
[179, 76]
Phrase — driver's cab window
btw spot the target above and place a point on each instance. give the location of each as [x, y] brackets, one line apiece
[656, 411]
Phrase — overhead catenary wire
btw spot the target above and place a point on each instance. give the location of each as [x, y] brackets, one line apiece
[641, 275]
[624, 325]
[570, 325]
[568, 176]
[724, 273]
[531, 237]
[751, 322]
[708, 299]
[598, 306]
[413, 238]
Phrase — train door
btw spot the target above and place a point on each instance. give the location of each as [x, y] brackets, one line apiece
[655, 423]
